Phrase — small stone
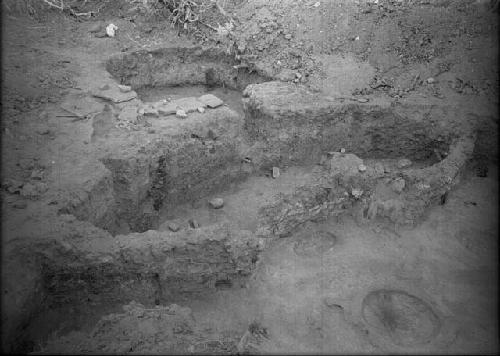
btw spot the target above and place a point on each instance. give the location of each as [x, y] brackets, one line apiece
[216, 203]
[342, 150]
[362, 100]
[173, 227]
[362, 168]
[398, 185]
[150, 111]
[125, 88]
[43, 131]
[403, 163]
[201, 110]
[288, 36]
[356, 193]
[180, 113]
[276, 172]
[20, 204]
[430, 80]
[210, 100]
[37, 174]
[193, 223]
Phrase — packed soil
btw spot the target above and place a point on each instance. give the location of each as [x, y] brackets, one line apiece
[334, 283]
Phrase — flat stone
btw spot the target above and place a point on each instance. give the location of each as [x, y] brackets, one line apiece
[124, 88]
[193, 223]
[167, 109]
[276, 172]
[216, 203]
[403, 163]
[189, 104]
[210, 100]
[128, 113]
[149, 110]
[201, 110]
[33, 190]
[20, 204]
[115, 95]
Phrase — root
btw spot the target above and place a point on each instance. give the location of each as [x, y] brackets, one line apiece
[63, 7]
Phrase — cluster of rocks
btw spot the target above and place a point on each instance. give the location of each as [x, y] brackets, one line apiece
[132, 112]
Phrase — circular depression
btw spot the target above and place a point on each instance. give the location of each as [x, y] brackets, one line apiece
[403, 318]
[311, 245]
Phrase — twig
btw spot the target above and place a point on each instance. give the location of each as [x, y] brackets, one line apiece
[60, 7]
[209, 26]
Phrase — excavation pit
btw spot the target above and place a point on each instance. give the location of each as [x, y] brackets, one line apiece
[336, 156]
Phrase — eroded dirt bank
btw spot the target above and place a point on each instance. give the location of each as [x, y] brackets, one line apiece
[358, 174]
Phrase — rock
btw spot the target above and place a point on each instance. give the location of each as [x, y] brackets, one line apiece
[149, 110]
[362, 100]
[20, 204]
[216, 203]
[180, 113]
[174, 227]
[276, 172]
[12, 186]
[43, 131]
[403, 163]
[124, 88]
[193, 223]
[288, 36]
[201, 110]
[128, 113]
[37, 174]
[111, 30]
[342, 150]
[189, 104]
[97, 27]
[430, 80]
[115, 95]
[210, 100]
[167, 109]
[356, 193]
[398, 185]
[362, 168]
[33, 190]
[344, 165]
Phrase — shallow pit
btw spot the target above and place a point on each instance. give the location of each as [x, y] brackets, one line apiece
[405, 319]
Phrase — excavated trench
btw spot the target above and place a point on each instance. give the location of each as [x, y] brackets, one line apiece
[373, 159]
